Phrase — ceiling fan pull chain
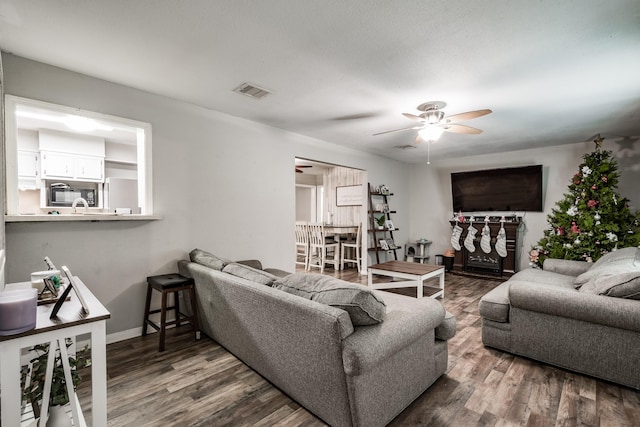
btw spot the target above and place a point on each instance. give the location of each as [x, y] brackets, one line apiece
[429, 152]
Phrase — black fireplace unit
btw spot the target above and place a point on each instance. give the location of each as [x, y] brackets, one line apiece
[481, 262]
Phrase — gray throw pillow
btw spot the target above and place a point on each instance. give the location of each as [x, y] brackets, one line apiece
[363, 306]
[249, 273]
[208, 259]
[624, 257]
[620, 282]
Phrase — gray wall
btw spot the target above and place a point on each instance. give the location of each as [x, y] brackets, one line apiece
[220, 183]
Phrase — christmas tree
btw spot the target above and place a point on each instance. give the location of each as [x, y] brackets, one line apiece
[593, 218]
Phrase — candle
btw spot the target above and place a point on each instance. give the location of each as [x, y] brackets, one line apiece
[18, 309]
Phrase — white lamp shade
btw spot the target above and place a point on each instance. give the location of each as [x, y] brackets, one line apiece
[431, 133]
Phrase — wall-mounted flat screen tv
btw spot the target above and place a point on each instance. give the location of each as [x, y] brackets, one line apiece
[507, 189]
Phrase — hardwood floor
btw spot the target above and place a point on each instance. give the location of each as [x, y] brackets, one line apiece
[198, 383]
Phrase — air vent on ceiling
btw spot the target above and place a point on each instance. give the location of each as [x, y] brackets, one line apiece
[252, 90]
[405, 147]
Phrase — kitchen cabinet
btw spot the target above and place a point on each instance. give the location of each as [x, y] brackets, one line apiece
[72, 167]
[89, 168]
[28, 164]
[28, 170]
[57, 165]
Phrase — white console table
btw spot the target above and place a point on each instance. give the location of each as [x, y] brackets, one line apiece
[70, 323]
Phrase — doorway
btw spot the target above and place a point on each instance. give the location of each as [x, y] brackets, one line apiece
[318, 185]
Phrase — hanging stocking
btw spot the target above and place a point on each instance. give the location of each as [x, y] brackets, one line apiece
[455, 237]
[485, 240]
[501, 243]
[469, 240]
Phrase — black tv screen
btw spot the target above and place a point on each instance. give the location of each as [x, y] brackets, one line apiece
[508, 189]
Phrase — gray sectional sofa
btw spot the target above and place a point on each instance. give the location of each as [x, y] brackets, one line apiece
[358, 362]
[581, 316]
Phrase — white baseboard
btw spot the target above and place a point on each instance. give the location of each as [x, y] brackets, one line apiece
[129, 333]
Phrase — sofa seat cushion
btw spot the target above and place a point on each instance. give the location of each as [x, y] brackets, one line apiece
[249, 273]
[447, 329]
[363, 306]
[494, 305]
[535, 275]
[208, 259]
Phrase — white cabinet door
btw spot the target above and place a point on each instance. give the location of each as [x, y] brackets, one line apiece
[57, 165]
[28, 164]
[89, 168]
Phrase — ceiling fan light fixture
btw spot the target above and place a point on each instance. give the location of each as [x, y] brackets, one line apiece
[431, 133]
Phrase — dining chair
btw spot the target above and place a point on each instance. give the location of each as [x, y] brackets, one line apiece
[321, 251]
[354, 245]
[302, 244]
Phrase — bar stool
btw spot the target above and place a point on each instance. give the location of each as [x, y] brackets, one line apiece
[165, 284]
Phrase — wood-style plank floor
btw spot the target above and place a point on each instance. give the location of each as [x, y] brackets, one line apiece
[199, 383]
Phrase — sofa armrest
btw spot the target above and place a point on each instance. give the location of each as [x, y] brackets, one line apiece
[368, 346]
[566, 266]
[568, 303]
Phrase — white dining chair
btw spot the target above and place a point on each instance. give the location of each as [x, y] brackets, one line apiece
[302, 244]
[322, 252]
[354, 245]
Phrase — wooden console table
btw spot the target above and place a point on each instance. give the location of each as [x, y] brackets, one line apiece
[70, 322]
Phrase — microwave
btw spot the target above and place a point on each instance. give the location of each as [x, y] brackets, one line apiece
[63, 196]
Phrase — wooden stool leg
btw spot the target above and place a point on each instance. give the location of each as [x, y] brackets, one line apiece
[147, 306]
[194, 312]
[176, 306]
[163, 320]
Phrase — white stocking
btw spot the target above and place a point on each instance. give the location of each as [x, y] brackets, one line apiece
[501, 243]
[469, 240]
[455, 237]
[485, 240]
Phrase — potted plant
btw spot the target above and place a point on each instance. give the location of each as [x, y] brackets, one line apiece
[58, 396]
[380, 222]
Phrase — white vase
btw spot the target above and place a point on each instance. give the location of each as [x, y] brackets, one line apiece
[58, 417]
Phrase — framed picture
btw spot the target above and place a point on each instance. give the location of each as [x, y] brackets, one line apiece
[384, 245]
[391, 244]
[385, 208]
[389, 224]
[350, 195]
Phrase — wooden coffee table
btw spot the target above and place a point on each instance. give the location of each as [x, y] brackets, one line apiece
[415, 273]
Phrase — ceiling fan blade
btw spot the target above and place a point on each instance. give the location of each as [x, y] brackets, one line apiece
[397, 130]
[298, 170]
[466, 116]
[304, 166]
[461, 129]
[412, 117]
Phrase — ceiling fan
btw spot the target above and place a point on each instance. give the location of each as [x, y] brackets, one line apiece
[433, 122]
[299, 170]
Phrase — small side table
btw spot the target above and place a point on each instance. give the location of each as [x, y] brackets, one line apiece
[165, 284]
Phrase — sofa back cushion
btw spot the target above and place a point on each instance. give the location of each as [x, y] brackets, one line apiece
[626, 257]
[249, 273]
[363, 306]
[620, 277]
[208, 259]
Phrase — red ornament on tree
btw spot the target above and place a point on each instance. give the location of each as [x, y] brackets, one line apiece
[574, 227]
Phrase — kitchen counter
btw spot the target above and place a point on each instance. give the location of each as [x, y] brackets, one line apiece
[80, 217]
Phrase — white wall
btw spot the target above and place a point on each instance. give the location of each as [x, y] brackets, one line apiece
[431, 202]
[210, 182]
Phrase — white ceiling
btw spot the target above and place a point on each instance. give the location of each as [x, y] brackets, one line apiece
[553, 71]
